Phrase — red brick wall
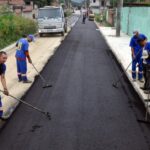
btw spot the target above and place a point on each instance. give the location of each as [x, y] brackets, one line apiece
[3, 2]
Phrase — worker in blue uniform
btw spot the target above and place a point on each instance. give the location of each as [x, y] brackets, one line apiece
[22, 54]
[136, 51]
[3, 58]
[84, 18]
[146, 64]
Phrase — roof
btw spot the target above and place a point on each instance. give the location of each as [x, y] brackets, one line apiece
[12, 2]
[53, 7]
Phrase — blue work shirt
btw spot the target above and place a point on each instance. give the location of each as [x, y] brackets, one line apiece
[22, 47]
[147, 47]
[2, 69]
[134, 44]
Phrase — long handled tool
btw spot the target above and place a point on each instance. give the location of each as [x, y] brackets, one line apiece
[115, 84]
[45, 84]
[47, 114]
[145, 120]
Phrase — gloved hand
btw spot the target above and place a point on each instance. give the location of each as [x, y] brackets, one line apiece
[30, 61]
[6, 92]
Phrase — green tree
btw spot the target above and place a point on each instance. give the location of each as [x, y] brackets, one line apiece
[114, 2]
[41, 3]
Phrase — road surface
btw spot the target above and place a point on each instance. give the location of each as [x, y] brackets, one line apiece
[87, 112]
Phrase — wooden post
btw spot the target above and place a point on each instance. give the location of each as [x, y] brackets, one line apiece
[118, 23]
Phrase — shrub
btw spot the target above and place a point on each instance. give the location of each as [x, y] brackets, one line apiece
[12, 27]
[97, 17]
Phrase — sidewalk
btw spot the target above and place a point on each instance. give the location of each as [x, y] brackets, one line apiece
[121, 50]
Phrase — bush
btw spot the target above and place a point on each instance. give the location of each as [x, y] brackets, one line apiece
[104, 22]
[13, 27]
[68, 13]
[97, 17]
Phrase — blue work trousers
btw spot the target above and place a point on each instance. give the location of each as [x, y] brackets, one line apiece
[22, 70]
[137, 61]
[1, 111]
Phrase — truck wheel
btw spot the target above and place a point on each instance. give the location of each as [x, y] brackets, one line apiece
[40, 34]
[62, 33]
[66, 29]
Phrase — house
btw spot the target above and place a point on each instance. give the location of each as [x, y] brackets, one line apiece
[12, 2]
[20, 7]
[95, 6]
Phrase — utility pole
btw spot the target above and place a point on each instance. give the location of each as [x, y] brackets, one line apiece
[85, 4]
[8, 2]
[118, 23]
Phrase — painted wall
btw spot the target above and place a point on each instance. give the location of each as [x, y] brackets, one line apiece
[136, 18]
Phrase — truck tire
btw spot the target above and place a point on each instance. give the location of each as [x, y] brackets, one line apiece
[62, 33]
[40, 34]
[66, 30]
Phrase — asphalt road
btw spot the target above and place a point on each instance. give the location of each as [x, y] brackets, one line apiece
[87, 112]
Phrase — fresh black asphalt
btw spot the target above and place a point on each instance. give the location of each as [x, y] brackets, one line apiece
[87, 112]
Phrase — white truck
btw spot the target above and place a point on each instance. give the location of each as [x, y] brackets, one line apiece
[51, 19]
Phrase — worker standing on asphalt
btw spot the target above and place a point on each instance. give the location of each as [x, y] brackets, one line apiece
[3, 58]
[22, 53]
[84, 18]
[136, 51]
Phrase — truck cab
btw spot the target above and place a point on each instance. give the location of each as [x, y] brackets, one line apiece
[51, 19]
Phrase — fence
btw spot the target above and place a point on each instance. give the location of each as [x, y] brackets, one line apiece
[136, 18]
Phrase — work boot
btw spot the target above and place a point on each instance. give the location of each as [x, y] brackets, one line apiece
[143, 88]
[27, 81]
[147, 92]
[19, 78]
[141, 80]
[134, 80]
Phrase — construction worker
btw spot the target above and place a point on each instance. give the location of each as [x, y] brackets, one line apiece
[146, 64]
[22, 53]
[3, 58]
[136, 51]
[101, 18]
[84, 18]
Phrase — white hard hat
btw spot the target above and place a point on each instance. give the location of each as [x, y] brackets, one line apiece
[145, 54]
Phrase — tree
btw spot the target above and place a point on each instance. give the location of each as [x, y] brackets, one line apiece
[41, 3]
[114, 2]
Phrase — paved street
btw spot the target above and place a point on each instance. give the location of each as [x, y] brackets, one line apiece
[87, 112]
